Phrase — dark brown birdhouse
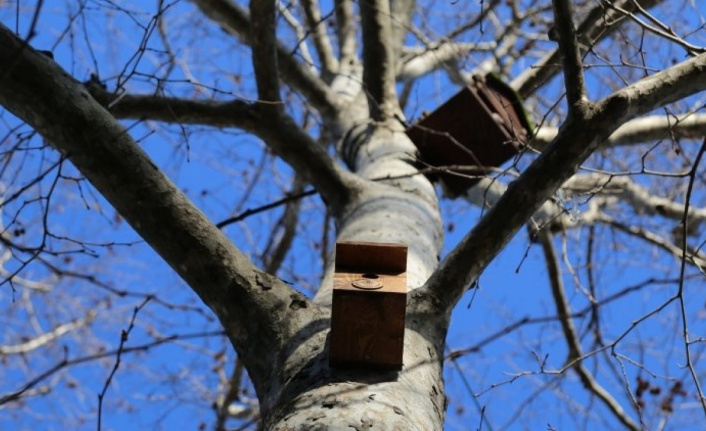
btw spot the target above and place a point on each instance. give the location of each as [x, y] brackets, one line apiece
[369, 305]
[481, 127]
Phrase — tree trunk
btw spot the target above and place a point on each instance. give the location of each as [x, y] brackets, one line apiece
[315, 396]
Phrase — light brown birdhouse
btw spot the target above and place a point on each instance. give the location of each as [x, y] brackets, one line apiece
[369, 305]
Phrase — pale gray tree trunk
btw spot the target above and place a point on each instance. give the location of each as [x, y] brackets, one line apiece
[403, 210]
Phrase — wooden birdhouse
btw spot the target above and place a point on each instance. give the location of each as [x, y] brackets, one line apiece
[369, 305]
[481, 127]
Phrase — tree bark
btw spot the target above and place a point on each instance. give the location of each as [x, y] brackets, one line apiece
[403, 210]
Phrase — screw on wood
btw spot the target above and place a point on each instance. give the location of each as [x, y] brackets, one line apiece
[368, 282]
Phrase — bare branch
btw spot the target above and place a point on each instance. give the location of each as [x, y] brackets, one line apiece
[124, 336]
[476, 21]
[264, 55]
[551, 214]
[346, 31]
[640, 130]
[599, 22]
[252, 211]
[283, 235]
[214, 113]
[302, 34]
[401, 12]
[661, 29]
[277, 130]
[577, 139]
[572, 340]
[47, 337]
[420, 61]
[690, 358]
[329, 64]
[696, 258]
[231, 395]
[378, 61]
[37, 90]
[600, 191]
[66, 362]
[638, 197]
[236, 21]
[15, 279]
[570, 54]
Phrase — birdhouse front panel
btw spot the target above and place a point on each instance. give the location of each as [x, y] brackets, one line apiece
[369, 305]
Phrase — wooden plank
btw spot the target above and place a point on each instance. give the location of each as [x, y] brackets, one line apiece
[391, 283]
[368, 256]
[367, 330]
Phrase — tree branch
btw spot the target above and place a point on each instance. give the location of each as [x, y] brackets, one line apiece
[572, 340]
[301, 46]
[345, 24]
[46, 337]
[604, 190]
[570, 53]
[661, 29]
[401, 13]
[264, 55]
[378, 60]
[281, 129]
[285, 230]
[252, 305]
[552, 214]
[638, 197]
[322, 44]
[640, 130]
[600, 22]
[578, 138]
[215, 113]
[421, 61]
[12, 276]
[694, 257]
[236, 21]
[276, 129]
[478, 20]
[600, 191]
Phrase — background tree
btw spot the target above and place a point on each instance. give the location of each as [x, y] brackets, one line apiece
[209, 125]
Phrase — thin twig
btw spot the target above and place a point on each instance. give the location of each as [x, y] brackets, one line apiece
[574, 345]
[64, 363]
[682, 269]
[124, 335]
